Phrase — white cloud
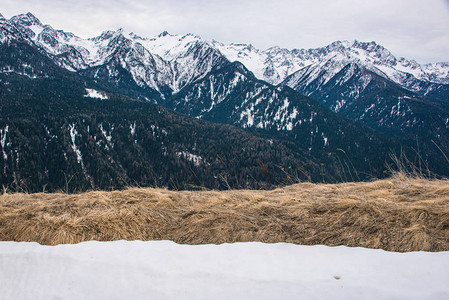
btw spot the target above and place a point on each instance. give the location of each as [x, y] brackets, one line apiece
[410, 28]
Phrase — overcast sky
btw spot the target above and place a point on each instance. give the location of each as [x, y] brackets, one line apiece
[415, 29]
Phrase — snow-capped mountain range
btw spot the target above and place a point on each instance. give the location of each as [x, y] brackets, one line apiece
[306, 98]
[173, 61]
[275, 64]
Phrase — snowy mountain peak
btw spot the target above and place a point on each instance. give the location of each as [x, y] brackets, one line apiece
[165, 33]
[369, 46]
[120, 32]
[250, 48]
[2, 17]
[134, 36]
[170, 46]
[275, 64]
[108, 34]
[27, 19]
[175, 60]
[338, 46]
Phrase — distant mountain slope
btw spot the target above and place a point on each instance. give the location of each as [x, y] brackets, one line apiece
[67, 141]
[61, 131]
[276, 64]
[364, 96]
[233, 95]
[199, 78]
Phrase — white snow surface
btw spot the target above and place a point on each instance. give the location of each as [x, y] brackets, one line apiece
[165, 270]
[96, 94]
[196, 159]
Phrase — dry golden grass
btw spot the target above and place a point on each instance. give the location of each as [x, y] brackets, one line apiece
[399, 214]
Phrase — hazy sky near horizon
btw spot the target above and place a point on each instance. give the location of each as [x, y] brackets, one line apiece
[414, 29]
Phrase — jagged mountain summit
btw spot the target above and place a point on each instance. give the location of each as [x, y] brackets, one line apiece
[326, 62]
[155, 68]
[173, 61]
[275, 64]
[114, 53]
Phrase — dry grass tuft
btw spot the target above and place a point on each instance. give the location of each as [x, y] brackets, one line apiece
[399, 214]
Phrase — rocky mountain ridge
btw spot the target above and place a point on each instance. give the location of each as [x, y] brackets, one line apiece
[174, 61]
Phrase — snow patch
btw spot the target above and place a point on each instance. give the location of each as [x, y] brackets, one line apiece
[165, 270]
[132, 127]
[338, 106]
[73, 132]
[196, 159]
[325, 139]
[91, 93]
[3, 134]
[105, 134]
[248, 113]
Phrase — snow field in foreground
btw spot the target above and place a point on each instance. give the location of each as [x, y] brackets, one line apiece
[166, 270]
